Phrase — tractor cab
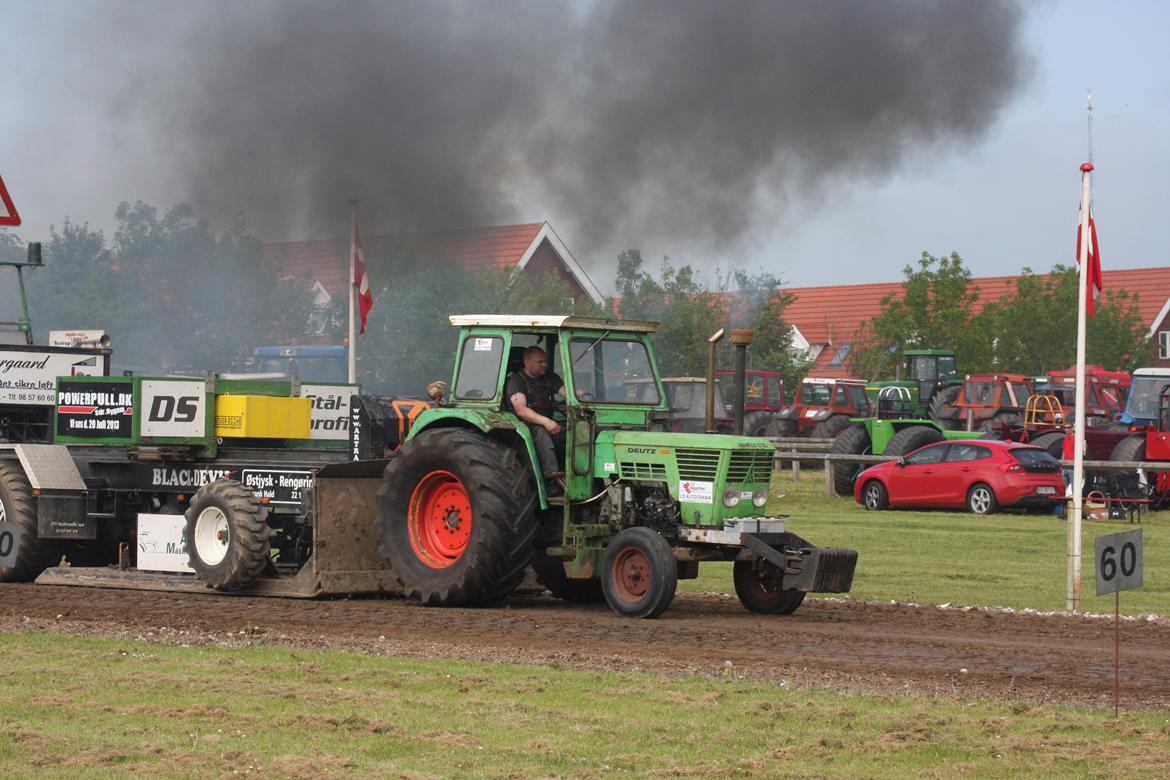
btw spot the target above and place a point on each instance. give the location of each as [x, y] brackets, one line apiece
[929, 369]
[1141, 408]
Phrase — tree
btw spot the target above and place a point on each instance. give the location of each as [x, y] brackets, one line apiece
[933, 311]
[1035, 326]
[687, 312]
[763, 303]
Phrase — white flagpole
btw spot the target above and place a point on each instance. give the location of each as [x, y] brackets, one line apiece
[1074, 520]
[351, 351]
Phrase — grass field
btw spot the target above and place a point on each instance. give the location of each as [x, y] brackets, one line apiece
[114, 708]
[1005, 560]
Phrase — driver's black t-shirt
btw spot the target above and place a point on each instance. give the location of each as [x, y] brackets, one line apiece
[538, 393]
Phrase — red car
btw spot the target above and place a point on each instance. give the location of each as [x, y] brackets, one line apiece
[981, 475]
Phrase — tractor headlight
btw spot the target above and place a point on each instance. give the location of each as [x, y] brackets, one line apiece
[822, 415]
[731, 496]
[760, 496]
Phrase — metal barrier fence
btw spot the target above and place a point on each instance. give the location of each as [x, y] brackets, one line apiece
[795, 450]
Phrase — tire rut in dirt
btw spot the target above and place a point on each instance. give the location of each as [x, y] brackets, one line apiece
[501, 499]
[227, 508]
[18, 507]
[854, 440]
[909, 439]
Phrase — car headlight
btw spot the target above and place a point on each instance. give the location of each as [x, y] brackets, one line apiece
[760, 496]
[731, 496]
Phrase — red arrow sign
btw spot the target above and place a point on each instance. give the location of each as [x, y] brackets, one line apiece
[12, 218]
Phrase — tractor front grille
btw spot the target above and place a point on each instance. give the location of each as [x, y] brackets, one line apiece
[699, 465]
[654, 471]
[751, 466]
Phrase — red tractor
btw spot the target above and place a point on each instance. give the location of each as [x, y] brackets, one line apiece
[822, 408]
[763, 397]
[988, 402]
[1105, 393]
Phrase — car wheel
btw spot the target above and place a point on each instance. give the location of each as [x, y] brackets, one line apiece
[981, 499]
[874, 496]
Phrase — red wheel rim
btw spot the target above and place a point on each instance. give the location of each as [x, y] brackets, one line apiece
[631, 574]
[439, 519]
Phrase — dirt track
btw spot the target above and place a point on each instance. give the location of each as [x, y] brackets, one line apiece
[843, 644]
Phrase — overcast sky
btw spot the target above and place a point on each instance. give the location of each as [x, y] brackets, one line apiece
[826, 142]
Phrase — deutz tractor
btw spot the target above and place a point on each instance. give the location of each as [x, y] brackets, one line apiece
[462, 510]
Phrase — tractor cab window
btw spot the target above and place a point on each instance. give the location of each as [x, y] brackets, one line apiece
[775, 397]
[816, 395]
[842, 397]
[980, 392]
[603, 371]
[1143, 396]
[947, 369]
[754, 392]
[479, 367]
[858, 399]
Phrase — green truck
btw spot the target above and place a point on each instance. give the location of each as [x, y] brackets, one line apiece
[442, 501]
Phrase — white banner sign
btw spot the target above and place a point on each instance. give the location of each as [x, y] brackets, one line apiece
[330, 410]
[28, 377]
[161, 546]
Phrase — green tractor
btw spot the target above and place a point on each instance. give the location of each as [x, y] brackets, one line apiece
[462, 509]
[932, 383]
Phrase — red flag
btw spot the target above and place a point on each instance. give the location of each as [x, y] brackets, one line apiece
[1093, 277]
[360, 280]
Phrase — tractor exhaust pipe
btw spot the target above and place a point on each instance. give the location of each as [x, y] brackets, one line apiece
[741, 339]
[715, 338]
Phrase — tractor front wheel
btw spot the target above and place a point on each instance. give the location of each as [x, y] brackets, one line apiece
[852, 441]
[760, 587]
[227, 535]
[756, 423]
[639, 573]
[456, 513]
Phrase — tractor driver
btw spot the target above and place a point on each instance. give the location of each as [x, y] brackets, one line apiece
[529, 392]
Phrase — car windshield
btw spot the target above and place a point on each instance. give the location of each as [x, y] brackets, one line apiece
[605, 370]
[1030, 456]
[815, 395]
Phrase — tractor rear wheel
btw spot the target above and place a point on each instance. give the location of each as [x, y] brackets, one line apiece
[639, 573]
[780, 428]
[828, 429]
[456, 513]
[854, 440]
[18, 507]
[1131, 448]
[1000, 419]
[940, 406]
[550, 572]
[1051, 442]
[909, 439]
[760, 587]
[227, 533]
[756, 423]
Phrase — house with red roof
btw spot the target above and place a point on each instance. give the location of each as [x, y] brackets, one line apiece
[533, 249]
[827, 320]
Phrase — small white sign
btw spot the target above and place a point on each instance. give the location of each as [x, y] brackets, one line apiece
[610, 467]
[173, 407]
[330, 410]
[483, 344]
[696, 492]
[810, 412]
[75, 338]
[161, 546]
[1119, 561]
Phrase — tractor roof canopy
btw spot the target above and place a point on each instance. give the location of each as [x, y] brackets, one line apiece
[558, 321]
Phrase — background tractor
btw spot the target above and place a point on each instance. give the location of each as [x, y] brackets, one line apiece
[763, 398]
[822, 408]
[931, 380]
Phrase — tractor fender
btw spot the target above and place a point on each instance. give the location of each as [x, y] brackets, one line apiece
[489, 422]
